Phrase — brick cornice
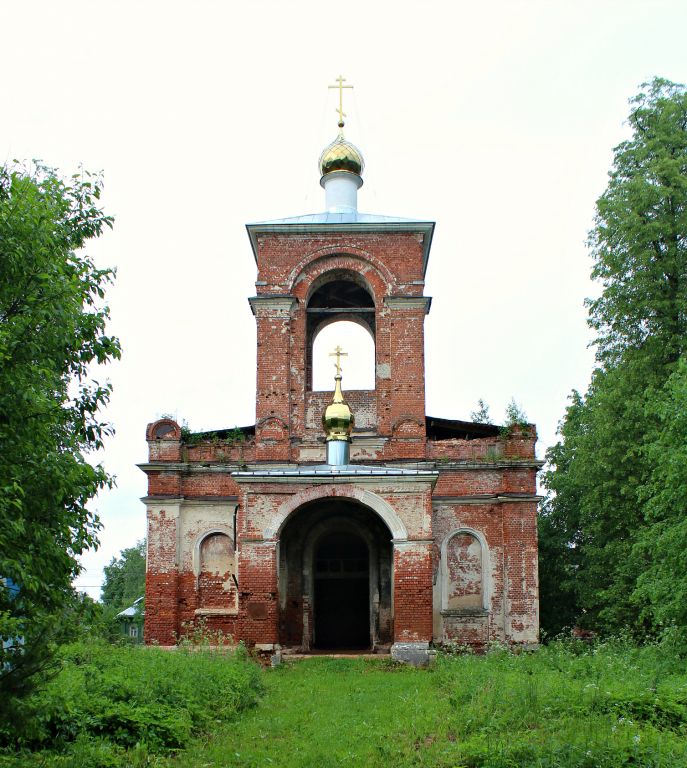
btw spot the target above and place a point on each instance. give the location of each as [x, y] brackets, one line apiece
[272, 304]
[425, 229]
[408, 302]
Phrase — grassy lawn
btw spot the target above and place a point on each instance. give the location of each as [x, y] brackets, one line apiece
[567, 705]
[608, 706]
[334, 712]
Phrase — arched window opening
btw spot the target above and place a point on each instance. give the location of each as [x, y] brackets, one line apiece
[162, 430]
[358, 366]
[217, 568]
[340, 310]
[464, 588]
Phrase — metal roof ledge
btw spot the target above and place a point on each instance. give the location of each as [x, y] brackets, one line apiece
[327, 473]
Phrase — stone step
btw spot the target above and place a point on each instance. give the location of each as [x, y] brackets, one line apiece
[296, 654]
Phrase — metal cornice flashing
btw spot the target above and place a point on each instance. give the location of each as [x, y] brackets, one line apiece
[333, 471]
[486, 498]
[200, 466]
[190, 500]
[425, 227]
[329, 474]
[463, 465]
[373, 480]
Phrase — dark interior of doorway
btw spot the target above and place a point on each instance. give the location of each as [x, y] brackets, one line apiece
[342, 592]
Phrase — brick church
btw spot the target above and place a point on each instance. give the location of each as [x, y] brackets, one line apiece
[349, 520]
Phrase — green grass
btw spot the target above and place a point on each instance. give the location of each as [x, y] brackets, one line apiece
[567, 705]
[112, 706]
[324, 712]
[564, 706]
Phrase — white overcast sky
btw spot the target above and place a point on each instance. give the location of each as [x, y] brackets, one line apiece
[496, 120]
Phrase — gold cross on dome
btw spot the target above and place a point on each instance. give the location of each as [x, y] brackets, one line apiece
[338, 353]
[340, 85]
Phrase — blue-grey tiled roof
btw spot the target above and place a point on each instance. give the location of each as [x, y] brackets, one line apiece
[339, 218]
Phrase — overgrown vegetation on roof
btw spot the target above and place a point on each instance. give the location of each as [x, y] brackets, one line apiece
[233, 436]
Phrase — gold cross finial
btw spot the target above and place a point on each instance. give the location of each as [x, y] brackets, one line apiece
[340, 85]
[338, 353]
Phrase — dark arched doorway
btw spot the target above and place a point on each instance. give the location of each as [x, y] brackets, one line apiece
[342, 592]
[335, 575]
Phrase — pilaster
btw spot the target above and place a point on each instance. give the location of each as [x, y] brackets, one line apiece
[162, 573]
[273, 315]
[413, 591]
[258, 591]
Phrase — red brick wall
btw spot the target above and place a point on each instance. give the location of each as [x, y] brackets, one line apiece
[206, 592]
[487, 479]
[413, 570]
[284, 259]
[161, 614]
[221, 452]
[259, 619]
[273, 387]
[291, 266]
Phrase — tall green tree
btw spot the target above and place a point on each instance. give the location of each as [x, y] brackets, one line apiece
[661, 589]
[559, 532]
[638, 242]
[52, 330]
[125, 577]
[600, 472]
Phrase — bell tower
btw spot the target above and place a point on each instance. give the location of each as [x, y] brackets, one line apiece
[341, 264]
[345, 520]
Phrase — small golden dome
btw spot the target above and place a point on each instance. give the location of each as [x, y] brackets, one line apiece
[337, 419]
[341, 155]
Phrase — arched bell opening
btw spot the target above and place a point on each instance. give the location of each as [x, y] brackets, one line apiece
[357, 342]
[335, 577]
[340, 296]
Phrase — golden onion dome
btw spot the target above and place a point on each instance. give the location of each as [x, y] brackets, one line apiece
[337, 419]
[341, 155]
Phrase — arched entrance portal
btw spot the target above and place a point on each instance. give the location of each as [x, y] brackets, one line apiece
[342, 592]
[335, 574]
